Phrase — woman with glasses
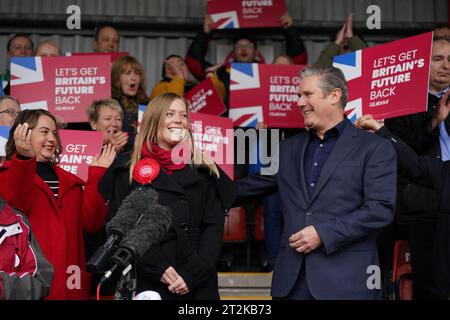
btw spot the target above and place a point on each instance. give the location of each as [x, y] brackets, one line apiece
[9, 109]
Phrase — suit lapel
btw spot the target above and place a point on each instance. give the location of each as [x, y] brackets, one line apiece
[345, 144]
[300, 156]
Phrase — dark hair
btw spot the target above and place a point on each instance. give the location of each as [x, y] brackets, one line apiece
[18, 35]
[244, 36]
[441, 38]
[163, 71]
[31, 117]
[99, 27]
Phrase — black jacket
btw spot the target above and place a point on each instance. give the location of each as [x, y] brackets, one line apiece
[199, 202]
[417, 203]
[423, 170]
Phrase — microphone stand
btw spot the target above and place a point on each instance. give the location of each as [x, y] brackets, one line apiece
[126, 287]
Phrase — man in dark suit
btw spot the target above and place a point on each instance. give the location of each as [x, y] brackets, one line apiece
[338, 188]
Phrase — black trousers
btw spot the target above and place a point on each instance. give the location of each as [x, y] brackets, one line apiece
[429, 258]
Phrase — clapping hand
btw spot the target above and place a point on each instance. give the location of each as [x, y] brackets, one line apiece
[106, 158]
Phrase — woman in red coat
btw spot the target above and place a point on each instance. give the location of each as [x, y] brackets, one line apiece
[59, 205]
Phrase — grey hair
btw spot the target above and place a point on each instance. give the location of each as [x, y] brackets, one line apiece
[6, 97]
[50, 42]
[330, 78]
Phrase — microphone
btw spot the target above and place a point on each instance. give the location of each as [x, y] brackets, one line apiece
[128, 215]
[154, 222]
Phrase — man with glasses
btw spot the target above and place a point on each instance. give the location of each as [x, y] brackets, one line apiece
[9, 109]
[244, 50]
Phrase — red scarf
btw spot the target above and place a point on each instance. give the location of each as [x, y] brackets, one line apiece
[163, 157]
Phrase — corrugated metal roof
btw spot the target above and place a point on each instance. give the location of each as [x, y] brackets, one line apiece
[163, 27]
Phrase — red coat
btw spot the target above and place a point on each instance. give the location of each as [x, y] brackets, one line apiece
[58, 224]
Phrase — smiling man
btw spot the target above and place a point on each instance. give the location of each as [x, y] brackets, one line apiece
[337, 187]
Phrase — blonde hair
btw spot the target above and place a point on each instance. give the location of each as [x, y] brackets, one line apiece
[151, 128]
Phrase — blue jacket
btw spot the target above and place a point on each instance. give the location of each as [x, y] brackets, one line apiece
[354, 198]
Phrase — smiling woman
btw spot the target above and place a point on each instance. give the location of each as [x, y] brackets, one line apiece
[59, 205]
[183, 264]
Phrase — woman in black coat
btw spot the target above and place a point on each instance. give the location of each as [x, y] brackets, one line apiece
[183, 264]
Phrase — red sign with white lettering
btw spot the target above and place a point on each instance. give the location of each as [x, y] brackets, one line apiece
[235, 14]
[79, 149]
[204, 98]
[65, 86]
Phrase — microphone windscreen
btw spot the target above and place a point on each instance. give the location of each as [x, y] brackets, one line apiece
[130, 210]
[154, 224]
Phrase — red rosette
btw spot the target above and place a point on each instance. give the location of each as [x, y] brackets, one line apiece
[146, 170]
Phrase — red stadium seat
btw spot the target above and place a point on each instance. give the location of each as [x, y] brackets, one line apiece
[235, 228]
[258, 215]
[402, 271]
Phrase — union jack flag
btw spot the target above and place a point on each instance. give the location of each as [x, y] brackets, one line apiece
[244, 77]
[141, 111]
[351, 65]
[27, 76]
[4, 133]
[226, 20]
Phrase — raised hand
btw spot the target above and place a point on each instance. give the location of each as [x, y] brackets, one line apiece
[285, 21]
[106, 158]
[117, 139]
[60, 123]
[213, 69]
[208, 24]
[22, 140]
[349, 26]
[173, 70]
[340, 36]
[442, 110]
[367, 122]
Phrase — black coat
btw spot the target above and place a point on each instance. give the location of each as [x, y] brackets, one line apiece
[423, 170]
[199, 202]
[417, 203]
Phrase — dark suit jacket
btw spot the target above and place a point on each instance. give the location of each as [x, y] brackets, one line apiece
[354, 198]
[424, 170]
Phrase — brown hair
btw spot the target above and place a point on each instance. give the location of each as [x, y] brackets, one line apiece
[151, 127]
[31, 117]
[119, 67]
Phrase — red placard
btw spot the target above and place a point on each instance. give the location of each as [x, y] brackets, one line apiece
[65, 86]
[204, 98]
[235, 14]
[79, 149]
[388, 80]
[112, 55]
[265, 93]
[214, 136]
